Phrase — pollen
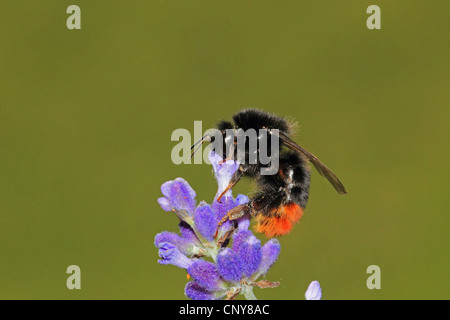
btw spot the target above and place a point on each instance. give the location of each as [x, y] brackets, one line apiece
[188, 276]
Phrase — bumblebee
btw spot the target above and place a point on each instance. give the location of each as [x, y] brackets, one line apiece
[282, 197]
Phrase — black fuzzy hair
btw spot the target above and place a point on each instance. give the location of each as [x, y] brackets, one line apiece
[257, 119]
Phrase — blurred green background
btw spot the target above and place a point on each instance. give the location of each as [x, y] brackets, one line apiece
[86, 118]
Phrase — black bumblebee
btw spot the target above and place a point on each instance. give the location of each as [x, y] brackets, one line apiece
[281, 197]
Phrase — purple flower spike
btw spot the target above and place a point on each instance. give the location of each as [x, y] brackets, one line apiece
[179, 194]
[314, 292]
[229, 264]
[250, 255]
[205, 274]
[217, 271]
[270, 252]
[196, 292]
[171, 255]
[205, 221]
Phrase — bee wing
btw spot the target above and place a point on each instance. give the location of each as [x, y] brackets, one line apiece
[320, 167]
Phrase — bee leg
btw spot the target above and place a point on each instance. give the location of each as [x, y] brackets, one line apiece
[223, 239]
[234, 214]
[234, 179]
[230, 153]
[230, 157]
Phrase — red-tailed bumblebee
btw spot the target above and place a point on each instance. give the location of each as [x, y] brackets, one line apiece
[281, 197]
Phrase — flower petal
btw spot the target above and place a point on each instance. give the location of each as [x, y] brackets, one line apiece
[229, 265]
[270, 252]
[196, 292]
[180, 194]
[205, 221]
[314, 292]
[243, 222]
[188, 234]
[165, 204]
[205, 274]
[182, 244]
[250, 255]
[241, 199]
[223, 172]
[171, 255]
[221, 208]
[238, 239]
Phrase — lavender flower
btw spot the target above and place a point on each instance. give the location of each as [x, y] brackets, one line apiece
[231, 270]
[314, 292]
[171, 255]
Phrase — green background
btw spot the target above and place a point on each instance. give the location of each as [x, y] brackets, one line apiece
[86, 118]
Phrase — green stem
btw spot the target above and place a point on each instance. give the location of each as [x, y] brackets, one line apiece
[209, 246]
[247, 291]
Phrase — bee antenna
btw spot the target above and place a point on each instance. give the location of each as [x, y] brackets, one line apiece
[206, 137]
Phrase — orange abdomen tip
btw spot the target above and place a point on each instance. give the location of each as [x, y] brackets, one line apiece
[293, 212]
[279, 221]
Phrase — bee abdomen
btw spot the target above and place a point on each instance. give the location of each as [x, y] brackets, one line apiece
[278, 221]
